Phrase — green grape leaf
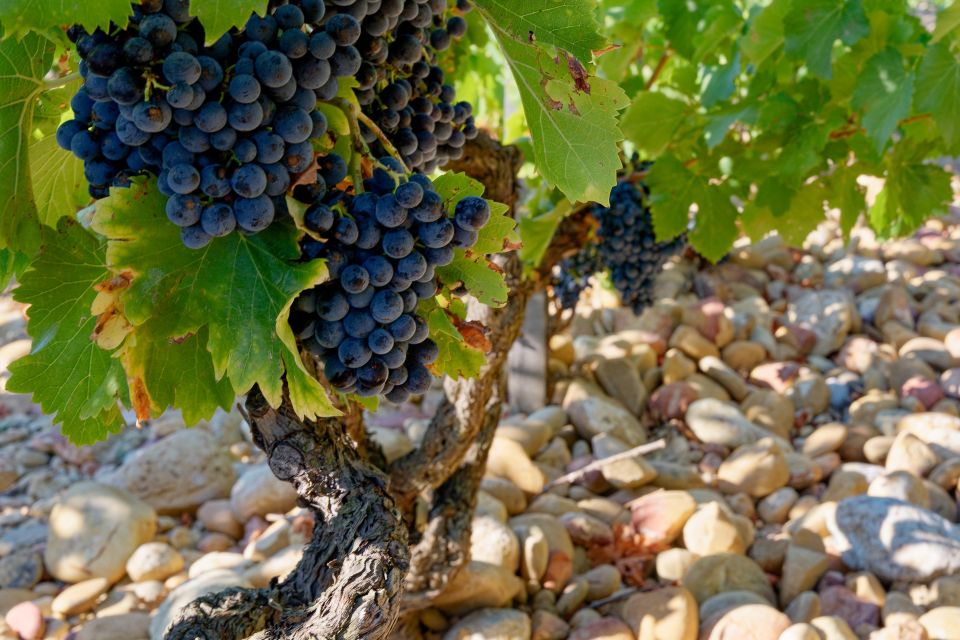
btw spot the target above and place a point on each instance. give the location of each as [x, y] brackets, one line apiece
[765, 33]
[947, 21]
[673, 188]
[177, 373]
[757, 221]
[12, 265]
[847, 196]
[219, 16]
[20, 16]
[238, 285]
[652, 120]
[23, 63]
[720, 121]
[803, 215]
[477, 276]
[456, 358]
[67, 373]
[59, 185]
[715, 223]
[573, 119]
[884, 92]
[938, 91]
[537, 232]
[911, 194]
[695, 29]
[567, 24]
[812, 26]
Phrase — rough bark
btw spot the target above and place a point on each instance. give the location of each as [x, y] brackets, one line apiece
[348, 584]
[453, 455]
[460, 417]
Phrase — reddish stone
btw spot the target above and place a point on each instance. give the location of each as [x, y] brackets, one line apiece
[926, 391]
[704, 316]
[670, 402]
[800, 338]
[26, 620]
[778, 376]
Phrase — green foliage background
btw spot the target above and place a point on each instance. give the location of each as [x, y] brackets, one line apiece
[760, 115]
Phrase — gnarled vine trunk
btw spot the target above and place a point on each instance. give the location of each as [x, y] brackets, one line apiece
[367, 562]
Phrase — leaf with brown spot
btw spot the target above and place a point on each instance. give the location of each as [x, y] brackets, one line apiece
[140, 399]
[474, 334]
[579, 74]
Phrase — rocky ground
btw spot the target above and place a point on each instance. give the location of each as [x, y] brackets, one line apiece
[808, 403]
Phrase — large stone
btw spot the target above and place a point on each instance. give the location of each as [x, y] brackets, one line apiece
[895, 540]
[509, 460]
[189, 591]
[942, 623]
[802, 568]
[931, 351]
[692, 343]
[712, 530]
[910, 453]
[771, 410]
[621, 380]
[662, 614]
[830, 314]
[259, 492]
[757, 469]
[559, 555]
[179, 472]
[477, 585]
[595, 414]
[80, 597]
[716, 422]
[125, 626]
[495, 543]
[154, 561]
[723, 374]
[747, 622]
[491, 624]
[93, 531]
[660, 516]
[726, 572]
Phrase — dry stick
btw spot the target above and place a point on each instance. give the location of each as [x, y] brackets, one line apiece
[596, 465]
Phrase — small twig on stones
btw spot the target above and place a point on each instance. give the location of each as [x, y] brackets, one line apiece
[597, 465]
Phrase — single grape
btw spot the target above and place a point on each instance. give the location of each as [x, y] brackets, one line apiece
[397, 243]
[380, 341]
[332, 307]
[472, 213]
[386, 306]
[195, 237]
[217, 220]
[390, 213]
[329, 334]
[379, 269]
[184, 210]
[354, 352]
[249, 181]
[358, 323]
[273, 69]
[211, 117]
[436, 235]
[180, 66]
[183, 178]
[254, 214]
[354, 278]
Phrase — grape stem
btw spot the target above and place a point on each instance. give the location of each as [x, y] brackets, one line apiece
[50, 84]
[392, 150]
[352, 111]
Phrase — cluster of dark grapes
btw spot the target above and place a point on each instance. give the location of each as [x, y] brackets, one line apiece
[226, 128]
[400, 88]
[625, 245]
[382, 248]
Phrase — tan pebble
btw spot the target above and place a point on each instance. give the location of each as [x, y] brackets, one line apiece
[801, 631]
[942, 623]
[833, 628]
[79, 597]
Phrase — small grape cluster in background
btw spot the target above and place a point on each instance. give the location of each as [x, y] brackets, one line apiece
[382, 249]
[625, 246]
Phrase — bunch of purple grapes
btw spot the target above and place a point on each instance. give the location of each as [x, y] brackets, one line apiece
[382, 248]
[625, 245]
[226, 127]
